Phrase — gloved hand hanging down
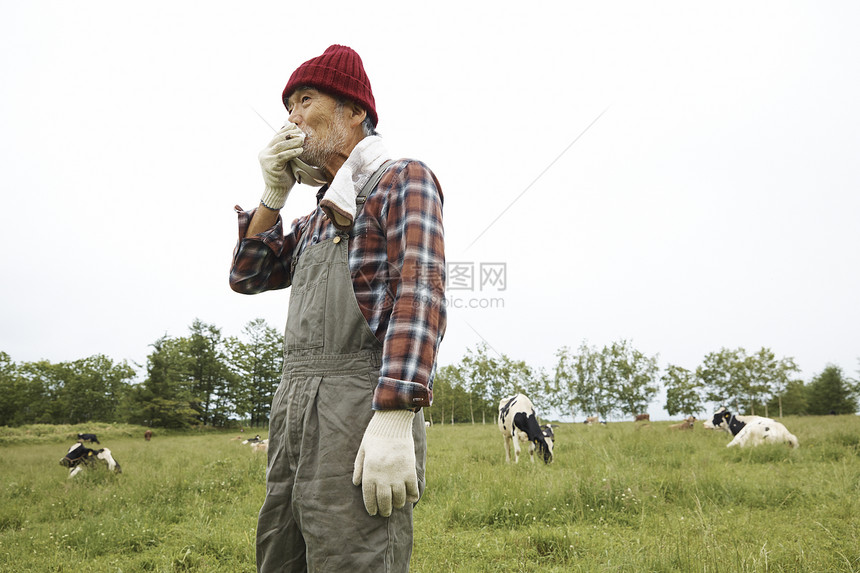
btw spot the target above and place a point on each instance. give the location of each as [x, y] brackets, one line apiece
[385, 464]
[279, 179]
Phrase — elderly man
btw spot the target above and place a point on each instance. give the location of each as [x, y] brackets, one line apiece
[366, 316]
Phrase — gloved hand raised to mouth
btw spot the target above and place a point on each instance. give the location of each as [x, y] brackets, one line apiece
[385, 464]
[278, 177]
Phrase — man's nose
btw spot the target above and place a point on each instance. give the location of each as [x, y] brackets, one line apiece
[295, 118]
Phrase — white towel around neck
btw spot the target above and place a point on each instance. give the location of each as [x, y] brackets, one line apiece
[338, 203]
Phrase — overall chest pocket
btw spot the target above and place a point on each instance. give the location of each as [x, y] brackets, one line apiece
[306, 316]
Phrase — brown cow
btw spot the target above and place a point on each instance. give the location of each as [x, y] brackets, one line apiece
[687, 424]
[147, 435]
[642, 418]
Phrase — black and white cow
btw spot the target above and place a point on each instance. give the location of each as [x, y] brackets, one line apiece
[255, 440]
[517, 423]
[79, 456]
[709, 423]
[752, 430]
[547, 431]
[88, 438]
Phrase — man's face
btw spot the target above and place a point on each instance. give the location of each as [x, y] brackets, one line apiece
[322, 119]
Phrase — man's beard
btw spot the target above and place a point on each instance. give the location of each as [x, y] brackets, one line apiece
[318, 151]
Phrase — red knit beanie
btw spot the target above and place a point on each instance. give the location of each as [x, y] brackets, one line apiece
[337, 71]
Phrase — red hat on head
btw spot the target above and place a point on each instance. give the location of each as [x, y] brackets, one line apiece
[338, 71]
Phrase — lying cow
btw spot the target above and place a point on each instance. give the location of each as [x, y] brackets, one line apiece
[517, 423]
[255, 440]
[754, 430]
[79, 456]
[88, 438]
[709, 424]
[687, 424]
[261, 446]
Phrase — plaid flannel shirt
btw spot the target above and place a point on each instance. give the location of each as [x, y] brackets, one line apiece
[397, 262]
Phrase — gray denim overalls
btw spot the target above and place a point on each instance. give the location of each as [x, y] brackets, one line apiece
[313, 518]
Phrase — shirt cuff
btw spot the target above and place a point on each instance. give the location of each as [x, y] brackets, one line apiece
[393, 394]
[273, 237]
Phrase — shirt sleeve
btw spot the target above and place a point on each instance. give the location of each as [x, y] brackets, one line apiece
[262, 262]
[416, 258]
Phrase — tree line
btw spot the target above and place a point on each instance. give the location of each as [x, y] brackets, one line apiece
[618, 381]
[206, 378]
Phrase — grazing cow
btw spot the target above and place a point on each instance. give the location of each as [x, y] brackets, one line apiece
[79, 456]
[547, 431]
[147, 435]
[753, 432]
[517, 423]
[88, 438]
[642, 418]
[687, 424]
[591, 420]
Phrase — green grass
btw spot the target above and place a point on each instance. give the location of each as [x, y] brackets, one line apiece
[617, 498]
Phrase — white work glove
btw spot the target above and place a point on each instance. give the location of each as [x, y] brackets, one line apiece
[279, 179]
[385, 464]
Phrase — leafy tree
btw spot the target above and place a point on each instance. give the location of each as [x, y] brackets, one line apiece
[578, 382]
[793, 400]
[521, 378]
[831, 393]
[22, 397]
[683, 392]
[487, 380]
[723, 376]
[257, 363]
[481, 377]
[10, 389]
[450, 400]
[43, 382]
[563, 395]
[629, 376]
[164, 398]
[212, 383]
[91, 388]
[442, 393]
[768, 377]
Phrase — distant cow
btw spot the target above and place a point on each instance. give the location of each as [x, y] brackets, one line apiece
[517, 423]
[88, 438]
[687, 424]
[753, 432]
[261, 446]
[256, 439]
[79, 456]
[147, 435]
[591, 420]
[642, 418]
[546, 430]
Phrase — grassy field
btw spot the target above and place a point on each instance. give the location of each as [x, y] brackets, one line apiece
[617, 498]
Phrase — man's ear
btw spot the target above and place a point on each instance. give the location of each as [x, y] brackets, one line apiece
[356, 113]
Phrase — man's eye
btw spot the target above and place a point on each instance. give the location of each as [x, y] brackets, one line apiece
[306, 99]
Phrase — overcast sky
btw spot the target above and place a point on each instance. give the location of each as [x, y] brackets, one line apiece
[713, 203]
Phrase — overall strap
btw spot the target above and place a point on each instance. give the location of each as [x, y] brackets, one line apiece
[370, 186]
